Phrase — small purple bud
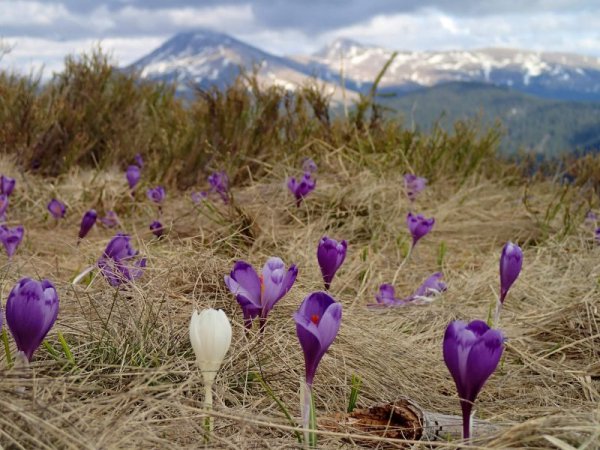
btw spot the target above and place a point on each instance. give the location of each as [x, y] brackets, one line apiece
[591, 217]
[433, 285]
[471, 353]
[511, 262]
[219, 183]
[199, 197]
[300, 189]
[117, 262]
[308, 165]
[11, 238]
[110, 220]
[157, 228]
[4, 200]
[330, 255]
[139, 161]
[57, 209]
[318, 321]
[386, 295]
[597, 234]
[133, 176]
[87, 222]
[31, 310]
[418, 226]
[7, 185]
[413, 186]
[157, 194]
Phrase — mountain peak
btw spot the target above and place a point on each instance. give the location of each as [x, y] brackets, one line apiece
[341, 47]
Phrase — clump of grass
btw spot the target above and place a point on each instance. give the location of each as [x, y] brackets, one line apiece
[93, 115]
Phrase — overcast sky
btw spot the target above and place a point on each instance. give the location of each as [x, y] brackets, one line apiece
[40, 33]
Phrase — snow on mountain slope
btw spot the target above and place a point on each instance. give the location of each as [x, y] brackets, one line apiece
[525, 70]
[203, 58]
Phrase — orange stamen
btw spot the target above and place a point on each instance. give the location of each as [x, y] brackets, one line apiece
[315, 319]
[262, 284]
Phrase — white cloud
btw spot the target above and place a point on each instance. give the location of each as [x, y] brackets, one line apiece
[27, 13]
[431, 29]
[34, 54]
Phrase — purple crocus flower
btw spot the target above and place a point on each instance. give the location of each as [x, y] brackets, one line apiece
[413, 185]
[199, 197]
[418, 226]
[317, 323]
[386, 296]
[87, 222]
[219, 183]
[157, 194]
[116, 263]
[431, 286]
[597, 235]
[471, 353]
[511, 262]
[7, 185]
[308, 165]
[157, 228]
[3, 206]
[330, 255]
[110, 220]
[301, 188]
[139, 160]
[57, 208]
[31, 310]
[133, 176]
[258, 295]
[11, 238]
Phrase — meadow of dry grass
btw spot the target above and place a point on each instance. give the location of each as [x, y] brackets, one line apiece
[135, 385]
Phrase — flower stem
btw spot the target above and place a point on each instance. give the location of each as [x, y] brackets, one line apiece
[309, 417]
[497, 313]
[208, 378]
[404, 261]
[467, 416]
[9, 359]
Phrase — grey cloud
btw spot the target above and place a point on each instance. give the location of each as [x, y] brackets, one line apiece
[306, 16]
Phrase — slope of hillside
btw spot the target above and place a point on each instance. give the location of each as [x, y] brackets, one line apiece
[532, 123]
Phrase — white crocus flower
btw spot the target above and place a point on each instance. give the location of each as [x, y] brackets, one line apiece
[210, 335]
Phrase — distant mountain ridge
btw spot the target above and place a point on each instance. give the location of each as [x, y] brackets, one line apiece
[205, 58]
[537, 96]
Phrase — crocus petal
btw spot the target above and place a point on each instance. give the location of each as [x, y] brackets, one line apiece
[511, 262]
[245, 282]
[330, 255]
[432, 285]
[133, 175]
[210, 336]
[311, 346]
[31, 310]
[273, 275]
[317, 323]
[386, 294]
[483, 360]
[329, 324]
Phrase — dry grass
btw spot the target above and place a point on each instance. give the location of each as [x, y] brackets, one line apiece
[135, 384]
